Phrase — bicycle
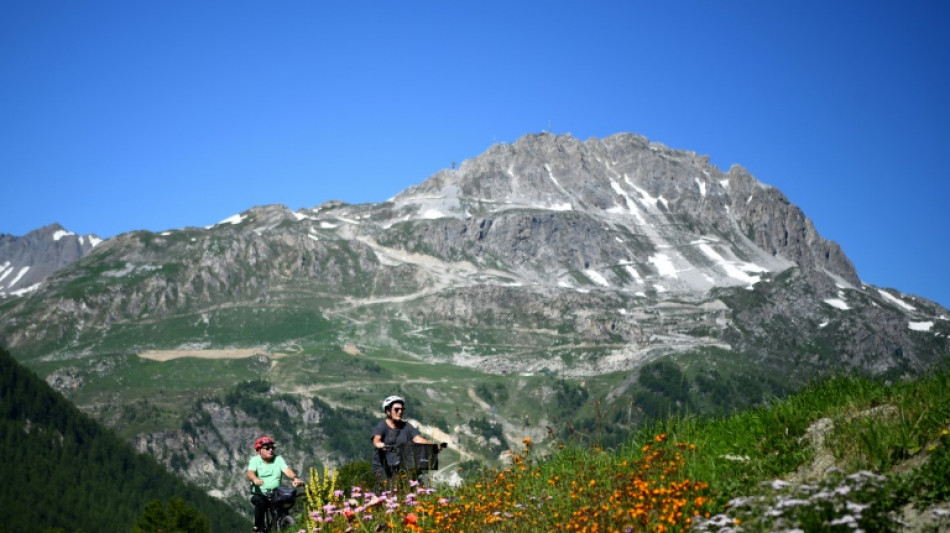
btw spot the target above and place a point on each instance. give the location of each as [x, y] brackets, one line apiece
[280, 503]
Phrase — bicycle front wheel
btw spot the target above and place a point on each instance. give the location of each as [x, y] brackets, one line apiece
[286, 523]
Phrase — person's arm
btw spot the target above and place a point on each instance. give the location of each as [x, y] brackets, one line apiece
[379, 433]
[296, 481]
[252, 472]
[416, 436]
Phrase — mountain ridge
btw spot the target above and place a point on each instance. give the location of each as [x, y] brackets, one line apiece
[620, 214]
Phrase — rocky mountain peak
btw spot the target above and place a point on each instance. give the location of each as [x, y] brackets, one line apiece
[659, 194]
[26, 261]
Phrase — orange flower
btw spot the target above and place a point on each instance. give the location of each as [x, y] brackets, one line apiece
[411, 519]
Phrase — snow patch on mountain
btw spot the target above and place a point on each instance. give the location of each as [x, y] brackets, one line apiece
[233, 219]
[31, 288]
[890, 297]
[59, 234]
[735, 270]
[19, 276]
[664, 265]
[597, 277]
[837, 303]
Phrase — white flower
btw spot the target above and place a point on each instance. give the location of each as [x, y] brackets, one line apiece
[778, 484]
[856, 508]
[792, 503]
[846, 519]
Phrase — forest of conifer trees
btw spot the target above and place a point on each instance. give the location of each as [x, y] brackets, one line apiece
[71, 474]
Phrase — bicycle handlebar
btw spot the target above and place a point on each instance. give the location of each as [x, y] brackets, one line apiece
[437, 446]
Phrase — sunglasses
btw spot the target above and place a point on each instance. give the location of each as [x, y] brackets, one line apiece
[267, 447]
[398, 409]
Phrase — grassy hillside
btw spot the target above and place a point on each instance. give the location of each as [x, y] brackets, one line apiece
[66, 471]
[846, 454]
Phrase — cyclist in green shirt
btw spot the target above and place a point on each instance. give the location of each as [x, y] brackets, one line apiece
[264, 471]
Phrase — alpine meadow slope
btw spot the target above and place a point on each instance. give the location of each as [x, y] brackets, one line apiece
[548, 288]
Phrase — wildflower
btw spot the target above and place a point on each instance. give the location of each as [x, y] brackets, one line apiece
[846, 519]
[373, 501]
[410, 519]
[338, 494]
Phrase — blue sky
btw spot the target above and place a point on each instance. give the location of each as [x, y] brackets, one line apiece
[117, 116]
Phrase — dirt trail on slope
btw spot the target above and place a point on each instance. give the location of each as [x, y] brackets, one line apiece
[229, 353]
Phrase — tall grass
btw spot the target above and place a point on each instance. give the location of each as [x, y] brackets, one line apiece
[889, 446]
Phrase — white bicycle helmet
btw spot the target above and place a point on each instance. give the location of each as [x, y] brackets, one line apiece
[391, 400]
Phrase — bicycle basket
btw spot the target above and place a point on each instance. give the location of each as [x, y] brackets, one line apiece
[420, 456]
[283, 497]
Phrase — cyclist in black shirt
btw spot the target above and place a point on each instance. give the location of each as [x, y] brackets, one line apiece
[390, 432]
